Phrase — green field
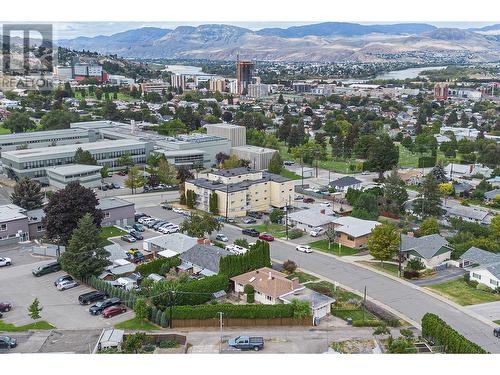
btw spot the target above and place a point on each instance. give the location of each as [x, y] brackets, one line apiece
[40, 325]
[463, 294]
[107, 232]
[4, 131]
[409, 159]
[387, 268]
[136, 324]
[302, 276]
[339, 294]
[334, 248]
[355, 314]
[289, 174]
[275, 230]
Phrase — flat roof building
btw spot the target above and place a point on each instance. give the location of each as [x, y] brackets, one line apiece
[259, 157]
[235, 133]
[88, 176]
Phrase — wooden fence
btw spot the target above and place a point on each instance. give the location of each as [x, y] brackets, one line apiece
[235, 322]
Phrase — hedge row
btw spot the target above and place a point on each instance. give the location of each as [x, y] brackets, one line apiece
[253, 259]
[438, 331]
[128, 298]
[233, 311]
[156, 265]
[366, 323]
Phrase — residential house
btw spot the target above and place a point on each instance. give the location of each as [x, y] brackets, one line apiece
[169, 245]
[353, 232]
[118, 267]
[431, 250]
[494, 181]
[36, 228]
[462, 189]
[311, 218]
[269, 285]
[202, 260]
[490, 196]
[411, 176]
[484, 266]
[471, 214]
[344, 183]
[117, 211]
[13, 224]
[466, 170]
[319, 303]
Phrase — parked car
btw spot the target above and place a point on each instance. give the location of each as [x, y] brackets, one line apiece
[299, 197]
[89, 297]
[365, 173]
[248, 220]
[315, 232]
[177, 210]
[128, 228]
[166, 206]
[139, 227]
[266, 237]
[255, 215]
[7, 342]
[221, 237]
[172, 229]
[136, 235]
[308, 200]
[159, 224]
[115, 185]
[5, 262]
[46, 269]
[143, 220]
[60, 279]
[251, 232]
[288, 162]
[108, 312]
[247, 343]
[496, 332]
[235, 249]
[325, 204]
[99, 307]
[5, 306]
[68, 284]
[304, 248]
[128, 238]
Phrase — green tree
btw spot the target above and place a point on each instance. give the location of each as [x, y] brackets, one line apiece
[382, 156]
[439, 173]
[125, 161]
[141, 309]
[135, 179]
[395, 194]
[446, 189]
[58, 119]
[232, 162]
[242, 242]
[276, 215]
[104, 171]
[190, 198]
[167, 172]
[85, 255]
[133, 342]
[173, 127]
[429, 201]
[197, 225]
[84, 157]
[366, 207]
[34, 310]
[383, 243]
[19, 122]
[65, 209]
[213, 203]
[301, 309]
[27, 194]
[429, 226]
[275, 164]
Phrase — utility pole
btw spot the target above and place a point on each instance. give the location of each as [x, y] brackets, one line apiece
[221, 323]
[287, 207]
[227, 200]
[170, 307]
[302, 165]
[399, 255]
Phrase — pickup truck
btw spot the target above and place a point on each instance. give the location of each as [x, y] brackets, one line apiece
[247, 343]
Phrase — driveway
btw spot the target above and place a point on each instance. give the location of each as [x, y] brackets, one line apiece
[490, 310]
[448, 274]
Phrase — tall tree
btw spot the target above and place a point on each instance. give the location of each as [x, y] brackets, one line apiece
[213, 203]
[135, 179]
[395, 194]
[27, 194]
[198, 225]
[141, 309]
[429, 201]
[84, 157]
[65, 209]
[366, 207]
[167, 172]
[232, 162]
[383, 243]
[85, 255]
[125, 161]
[429, 226]
[383, 155]
[439, 173]
[275, 164]
[19, 122]
[184, 174]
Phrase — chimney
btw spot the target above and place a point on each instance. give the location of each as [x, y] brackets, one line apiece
[270, 275]
[295, 283]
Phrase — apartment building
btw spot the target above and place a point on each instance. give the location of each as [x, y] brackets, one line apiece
[240, 190]
[34, 162]
[235, 133]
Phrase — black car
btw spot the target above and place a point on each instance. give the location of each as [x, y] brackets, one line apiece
[138, 227]
[166, 206]
[62, 278]
[7, 342]
[89, 297]
[255, 215]
[100, 306]
[137, 235]
[251, 232]
[46, 268]
[496, 332]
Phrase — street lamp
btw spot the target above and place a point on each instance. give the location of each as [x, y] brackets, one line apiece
[221, 323]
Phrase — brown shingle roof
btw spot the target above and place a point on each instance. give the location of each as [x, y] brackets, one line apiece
[268, 281]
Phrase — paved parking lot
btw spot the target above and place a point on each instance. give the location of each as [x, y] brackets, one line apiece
[61, 309]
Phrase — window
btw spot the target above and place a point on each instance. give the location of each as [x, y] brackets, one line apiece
[107, 215]
[269, 298]
[3, 227]
[40, 228]
[350, 238]
[493, 282]
[476, 276]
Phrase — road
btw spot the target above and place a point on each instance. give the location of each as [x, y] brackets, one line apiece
[407, 299]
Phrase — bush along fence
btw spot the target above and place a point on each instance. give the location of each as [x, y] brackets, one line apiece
[128, 297]
[259, 256]
[438, 331]
[160, 265]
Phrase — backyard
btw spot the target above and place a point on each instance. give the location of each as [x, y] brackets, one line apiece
[334, 249]
[462, 293]
[107, 232]
[275, 230]
[137, 324]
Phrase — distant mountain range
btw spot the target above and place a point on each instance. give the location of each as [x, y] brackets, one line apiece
[328, 41]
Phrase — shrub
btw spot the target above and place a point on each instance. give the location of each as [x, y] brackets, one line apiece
[242, 242]
[295, 233]
[257, 257]
[473, 283]
[401, 346]
[250, 292]
[289, 266]
[407, 333]
[219, 244]
[411, 274]
[233, 311]
[165, 344]
[381, 330]
[149, 348]
[164, 320]
[366, 323]
[160, 265]
[415, 265]
[484, 288]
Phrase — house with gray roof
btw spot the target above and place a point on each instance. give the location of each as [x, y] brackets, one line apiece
[489, 196]
[319, 304]
[431, 250]
[311, 218]
[343, 183]
[117, 211]
[173, 243]
[483, 266]
[471, 214]
[202, 260]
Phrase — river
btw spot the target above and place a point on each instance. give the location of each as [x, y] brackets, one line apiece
[407, 73]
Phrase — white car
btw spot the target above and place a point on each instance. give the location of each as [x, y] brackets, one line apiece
[221, 237]
[173, 229]
[166, 227]
[365, 173]
[67, 284]
[325, 204]
[177, 210]
[304, 248]
[315, 232]
[236, 249]
[5, 262]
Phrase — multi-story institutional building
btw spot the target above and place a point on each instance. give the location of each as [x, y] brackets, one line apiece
[259, 157]
[154, 87]
[64, 73]
[178, 81]
[82, 71]
[34, 162]
[9, 142]
[244, 73]
[235, 133]
[257, 90]
[240, 190]
[88, 176]
[217, 84]
[440, 91]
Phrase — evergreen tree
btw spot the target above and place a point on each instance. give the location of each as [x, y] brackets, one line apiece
[429, 201]
[85, 255]
[275, 164]
[395, 194]
[214, 203]
[84, 157]
[27, 194]
[439, 173]
[383, 155]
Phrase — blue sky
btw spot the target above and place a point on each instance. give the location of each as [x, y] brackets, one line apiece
[75, 29]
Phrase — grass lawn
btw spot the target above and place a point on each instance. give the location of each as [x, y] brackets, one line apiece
[496, 322]
[356, 314]
[136, 324]
[40, 325]
[275, 230]
[107, 232]
[4, 131]
[302, 276]
[460, 292]
[334, 248]
[328, 288]
[388, 267]
[289, 174]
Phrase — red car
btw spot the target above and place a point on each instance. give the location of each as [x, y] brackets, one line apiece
[266, 237]
[308, 200]
[5, 306]
[113, 310]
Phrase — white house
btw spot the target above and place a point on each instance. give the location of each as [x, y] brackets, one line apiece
[484, 266]
[431, 250]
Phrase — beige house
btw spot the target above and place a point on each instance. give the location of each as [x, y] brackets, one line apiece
[353, 232]
[241, 190]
